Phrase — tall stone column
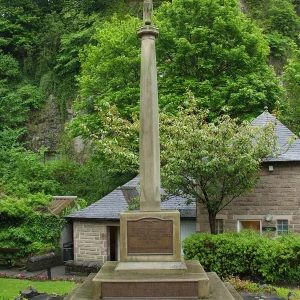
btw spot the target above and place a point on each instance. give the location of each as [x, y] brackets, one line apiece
[149, 128]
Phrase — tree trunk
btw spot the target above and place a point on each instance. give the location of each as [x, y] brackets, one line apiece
[212, 222]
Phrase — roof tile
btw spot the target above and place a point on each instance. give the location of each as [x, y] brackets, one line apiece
[287, 153]
[110, 206]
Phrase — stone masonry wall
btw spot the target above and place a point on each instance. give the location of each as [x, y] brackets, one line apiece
[91, 241]
[277, 194]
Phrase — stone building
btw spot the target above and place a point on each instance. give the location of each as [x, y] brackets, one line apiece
[96, 229]
[274, 204]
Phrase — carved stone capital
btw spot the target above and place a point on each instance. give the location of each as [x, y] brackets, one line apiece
[149, 30]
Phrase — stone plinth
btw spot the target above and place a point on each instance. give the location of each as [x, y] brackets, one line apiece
[151, 266]
[218, 291]
[193, 283]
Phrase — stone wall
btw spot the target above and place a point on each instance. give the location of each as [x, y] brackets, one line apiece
[91, 240]
[277, 194]
[42, 262]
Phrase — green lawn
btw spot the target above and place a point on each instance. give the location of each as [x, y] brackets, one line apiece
[10, 288]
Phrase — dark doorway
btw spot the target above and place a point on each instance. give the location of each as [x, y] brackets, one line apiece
[113, 243]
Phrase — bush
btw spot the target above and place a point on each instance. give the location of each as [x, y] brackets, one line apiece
[247, 254]
[23, 226]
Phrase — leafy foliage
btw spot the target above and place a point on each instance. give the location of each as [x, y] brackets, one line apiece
[290, 113]
[23, 227]
[110, 69]
[246, 253]
[212, 49]
[26, 183]
[212, 163]
[279, 22]
[206, 46]
[114, 139]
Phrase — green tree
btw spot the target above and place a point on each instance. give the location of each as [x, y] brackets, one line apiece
[290, 106]
[206, 46]
[211, 163]
[110, 69]
[212, 49]
[280, 25]
[19, 22]
[17, 97]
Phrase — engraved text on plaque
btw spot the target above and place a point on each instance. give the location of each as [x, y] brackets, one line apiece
[149, 236]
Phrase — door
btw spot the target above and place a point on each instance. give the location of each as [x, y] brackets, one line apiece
[114, 243]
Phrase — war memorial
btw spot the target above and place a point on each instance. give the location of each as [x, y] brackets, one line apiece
[151, 266]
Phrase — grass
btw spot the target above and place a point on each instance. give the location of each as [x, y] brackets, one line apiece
[10, 288]
[249, 286]
[283, 292]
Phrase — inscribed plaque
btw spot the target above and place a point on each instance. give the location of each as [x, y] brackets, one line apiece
[149, 236]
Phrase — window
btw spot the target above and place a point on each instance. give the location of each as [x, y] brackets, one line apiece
[282, 227]
[249, 224]
[219, 226]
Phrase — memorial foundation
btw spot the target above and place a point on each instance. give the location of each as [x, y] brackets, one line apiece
[150, 265]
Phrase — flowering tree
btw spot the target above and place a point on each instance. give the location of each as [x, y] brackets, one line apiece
[211, 163]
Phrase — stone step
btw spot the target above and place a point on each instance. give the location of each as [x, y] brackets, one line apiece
[193, 283]
[75, 288]
[218, 291]
[84, 291]
[233, 292]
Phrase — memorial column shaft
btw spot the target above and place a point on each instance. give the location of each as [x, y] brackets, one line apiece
[149, 128]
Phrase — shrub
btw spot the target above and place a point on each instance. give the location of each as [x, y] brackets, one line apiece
[247, 254]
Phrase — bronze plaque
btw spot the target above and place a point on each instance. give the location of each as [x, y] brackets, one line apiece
[175, 289]
[149, 236]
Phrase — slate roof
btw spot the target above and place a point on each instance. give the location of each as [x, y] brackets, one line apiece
[283, 135]
[110, 206]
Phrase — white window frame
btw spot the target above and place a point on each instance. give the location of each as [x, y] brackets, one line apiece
[218, 226]
[281, 230]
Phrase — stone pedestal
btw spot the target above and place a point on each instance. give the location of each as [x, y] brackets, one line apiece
[192, 283]
[218, 291]
[150, 264]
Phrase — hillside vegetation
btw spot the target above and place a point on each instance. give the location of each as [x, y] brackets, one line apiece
[82, 56]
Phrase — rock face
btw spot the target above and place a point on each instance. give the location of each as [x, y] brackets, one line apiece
[45, 127]
[243, 8]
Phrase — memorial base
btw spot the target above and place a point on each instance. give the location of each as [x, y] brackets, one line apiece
[218, 291]
[192, 283]
[166, 267]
